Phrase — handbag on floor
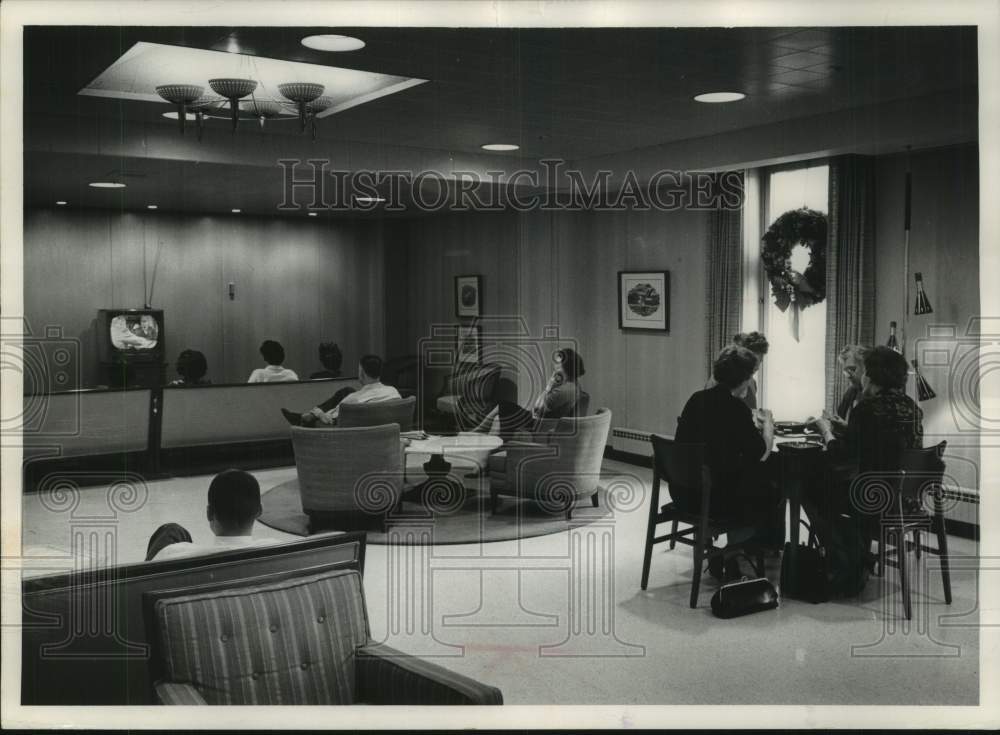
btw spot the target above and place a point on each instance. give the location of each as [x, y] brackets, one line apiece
[811, 582]
[744, 597]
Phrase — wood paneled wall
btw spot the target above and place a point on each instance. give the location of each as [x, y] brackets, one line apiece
[559, 269]
[944, 247]
[297, 282]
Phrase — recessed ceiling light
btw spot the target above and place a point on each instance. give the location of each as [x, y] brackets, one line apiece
[332, 42]
[236, 211]
[61, 203]
[151, 206]
[500, 147]
[312, 214]
[173, 115]
[369, 200]
[716, 97]
[106, 185]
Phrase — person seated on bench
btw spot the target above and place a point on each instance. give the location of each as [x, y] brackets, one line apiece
[274, 355]
[372, 390]
[233, 506]
[191, 367]
[331, 358]
[558, 400]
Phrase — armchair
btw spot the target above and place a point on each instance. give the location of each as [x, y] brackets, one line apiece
[348, 470]
[558, 468]
[469, 394]
[396, 411]
[298, 640]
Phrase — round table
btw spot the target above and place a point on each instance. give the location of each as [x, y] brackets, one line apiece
[469, 446]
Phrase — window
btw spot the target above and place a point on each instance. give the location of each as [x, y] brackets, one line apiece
[792, 379]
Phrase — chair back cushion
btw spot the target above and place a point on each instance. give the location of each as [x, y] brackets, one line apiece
[377, 413]
[578, 449]
[349, 469]
[288, 642]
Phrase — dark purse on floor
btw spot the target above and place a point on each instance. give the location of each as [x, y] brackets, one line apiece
[811, 581]
[744, 597]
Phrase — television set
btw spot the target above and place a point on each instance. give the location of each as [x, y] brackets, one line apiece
[130, 335]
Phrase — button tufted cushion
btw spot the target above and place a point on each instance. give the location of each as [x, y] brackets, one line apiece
[288, 642]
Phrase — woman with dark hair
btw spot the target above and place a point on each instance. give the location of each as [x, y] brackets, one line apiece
[331, 358]
[719, 420]
[275, 372]
[561, 398]
[758, 345]
[191, 367]
[883, 424]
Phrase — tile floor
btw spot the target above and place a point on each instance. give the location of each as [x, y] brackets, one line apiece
[560, 619]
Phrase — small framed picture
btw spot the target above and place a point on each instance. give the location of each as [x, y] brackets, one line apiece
[470, 343]
[644, 300]
[468, 296]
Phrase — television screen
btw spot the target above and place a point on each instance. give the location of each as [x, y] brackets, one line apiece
[134, 332]
[130, 335]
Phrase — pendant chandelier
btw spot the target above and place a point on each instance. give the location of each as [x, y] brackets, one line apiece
[242, 97]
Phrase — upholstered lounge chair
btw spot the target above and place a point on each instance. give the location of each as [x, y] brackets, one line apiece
[300, 640]
[558, 468]
[469, 394]
[344, 471]
[397, 411]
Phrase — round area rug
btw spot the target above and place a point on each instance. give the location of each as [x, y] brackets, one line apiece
[415, 525]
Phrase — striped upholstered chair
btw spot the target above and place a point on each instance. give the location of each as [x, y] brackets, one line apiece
[348, 472]
[298, 640]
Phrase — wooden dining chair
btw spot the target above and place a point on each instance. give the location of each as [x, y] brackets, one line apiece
[920, 479]
[683, 468]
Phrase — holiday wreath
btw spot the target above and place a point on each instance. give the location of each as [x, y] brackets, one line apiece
[805, 227]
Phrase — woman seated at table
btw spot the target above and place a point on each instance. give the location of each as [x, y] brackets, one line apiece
[852, 363]
[880, 428]
[560, 399]
[758, 345]
[736, 451]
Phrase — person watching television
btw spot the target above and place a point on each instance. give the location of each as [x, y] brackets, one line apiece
[191, 367]
[233, 507]
[372, 391]
[275, 372]
[331, 358]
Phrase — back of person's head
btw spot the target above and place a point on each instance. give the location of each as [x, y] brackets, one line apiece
[572, 363]
[753, 341]
[886, 368]
[372, 366]
[272, 352]
[192, 366]
[857, 352]
[330, 356]
[734, 366]
[234, 499]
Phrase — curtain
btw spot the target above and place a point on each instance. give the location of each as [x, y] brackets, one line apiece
[850, 264]
[724, 292]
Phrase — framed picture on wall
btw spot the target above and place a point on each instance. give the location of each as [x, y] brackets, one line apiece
[468, 296]
[644, 300]
[470, 343]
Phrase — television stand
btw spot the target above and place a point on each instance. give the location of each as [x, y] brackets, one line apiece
[135, 375]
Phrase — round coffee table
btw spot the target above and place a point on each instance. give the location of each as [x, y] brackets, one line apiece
[468, 446]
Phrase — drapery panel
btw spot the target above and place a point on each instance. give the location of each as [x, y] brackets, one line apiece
[724, 291]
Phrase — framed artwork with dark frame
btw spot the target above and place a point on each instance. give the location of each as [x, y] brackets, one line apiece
[468, 296]
[644, 300]
[469, 343]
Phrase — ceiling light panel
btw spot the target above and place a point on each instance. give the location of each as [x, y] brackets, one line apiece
[137, 73]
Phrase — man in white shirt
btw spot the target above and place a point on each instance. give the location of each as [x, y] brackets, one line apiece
[372, 391]
[274, 355]
[233, 506]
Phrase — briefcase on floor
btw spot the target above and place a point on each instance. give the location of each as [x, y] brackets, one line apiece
[744, 597]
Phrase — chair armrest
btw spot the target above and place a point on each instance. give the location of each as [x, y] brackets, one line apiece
[172, 693]
[388, 676]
